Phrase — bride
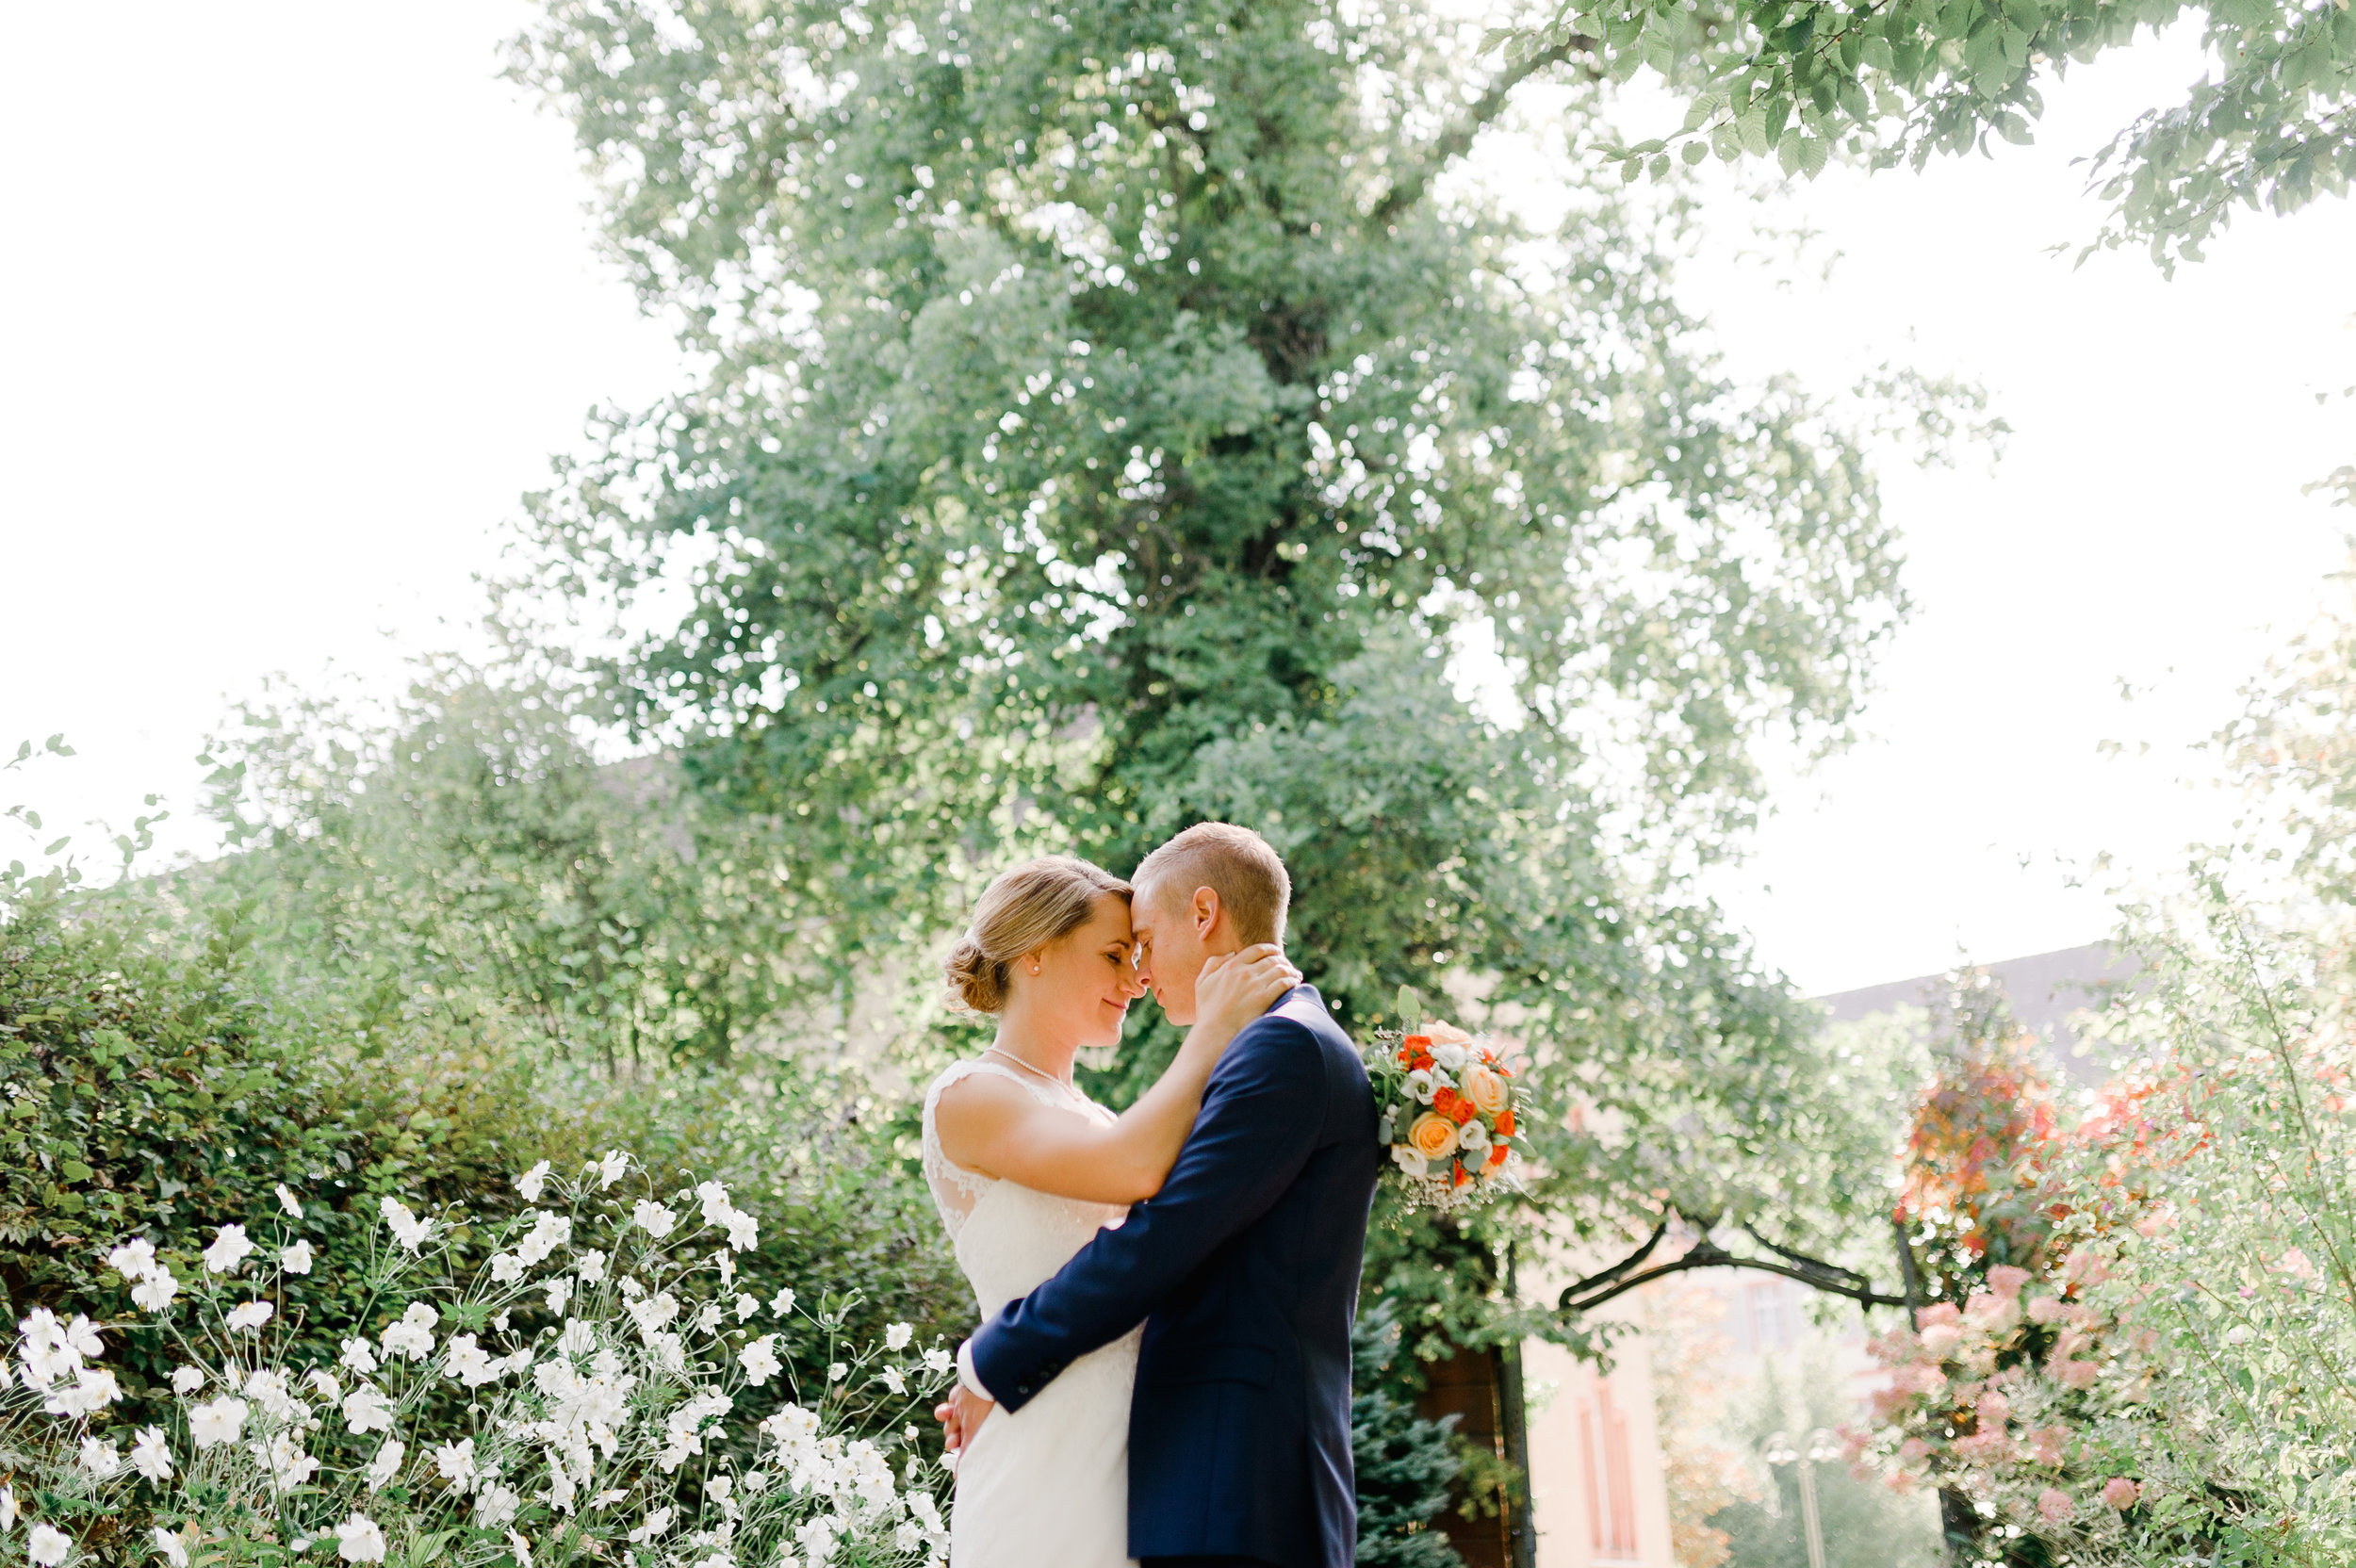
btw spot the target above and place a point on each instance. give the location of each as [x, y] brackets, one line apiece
[1025, 1168]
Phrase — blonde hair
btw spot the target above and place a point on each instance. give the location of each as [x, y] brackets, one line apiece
[1037, 902]
[1233, 862]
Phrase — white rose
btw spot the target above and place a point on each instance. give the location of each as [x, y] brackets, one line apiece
[1448, 1056]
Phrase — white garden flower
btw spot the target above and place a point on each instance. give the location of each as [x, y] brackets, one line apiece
[101, 1459]
[897, 1335]
[47, 1546]
[1472, 1137]
[284, 1457]
[151, 1456]
[782, 1302]
[708, 1316]
[387, 1464]
[323, 1383]
[93, 1389]
[455, 1462]
[548, 1232]
[894, 1380]
[133, 1259]
[1451, 1056]
[531, 1181]
[296, 1259]
[358, 1540]
[560, 1292]
[495, 1505]
[759, 1360]
[653, 1218]
[81, 1338]
[218, 1422]
[7, 1508]
[358, 1357]
[286, 1202]
[716, 1206]
[607, 1497]
[520, 1549]
[366, 1410]
[465, 1359]
[746, 1307]
[939, 1359]
[229, 1249]
[412, 1336]
[659, 1310]
[186, 1380]
[267, 1387]
[175, 1552]
[1419, 1083]
[250, 1314]
[1410, 1161]
[506, 1268]
[408, 1230]
[154, 1293]
[611, 1168]
[654, 1525]
[743, 1231]
[590, 1267]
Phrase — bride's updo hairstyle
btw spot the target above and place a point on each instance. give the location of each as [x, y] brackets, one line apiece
[1037, 902]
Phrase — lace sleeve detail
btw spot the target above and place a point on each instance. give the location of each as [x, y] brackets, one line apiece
[955, 1189]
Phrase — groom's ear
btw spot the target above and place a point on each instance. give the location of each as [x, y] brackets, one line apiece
[1206, 912]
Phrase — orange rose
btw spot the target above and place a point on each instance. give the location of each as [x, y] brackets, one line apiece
[1505, 1122]
[1459, 1178]
[1462, 1109]
[1432, 1136]
[1497, 1154]
[1415, 1042]
[1444, 1102]
[1423, 1060]
[1485, 1089]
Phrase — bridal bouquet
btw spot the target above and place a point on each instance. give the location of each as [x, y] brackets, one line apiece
[587, 1393]
[1450, 1109]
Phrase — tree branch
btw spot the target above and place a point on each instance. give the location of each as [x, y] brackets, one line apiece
[1458, 139]
[1626, 1275]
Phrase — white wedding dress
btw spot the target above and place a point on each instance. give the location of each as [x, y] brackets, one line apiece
[1049, 1483]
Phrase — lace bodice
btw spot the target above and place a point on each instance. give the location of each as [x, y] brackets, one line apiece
[1008, 1238]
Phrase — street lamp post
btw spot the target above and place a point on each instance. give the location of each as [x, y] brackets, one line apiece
[1821, 1447]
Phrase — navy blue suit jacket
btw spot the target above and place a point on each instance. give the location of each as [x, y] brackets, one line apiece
[1244, 1269]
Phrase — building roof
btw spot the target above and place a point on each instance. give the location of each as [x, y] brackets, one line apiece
[2047, 992]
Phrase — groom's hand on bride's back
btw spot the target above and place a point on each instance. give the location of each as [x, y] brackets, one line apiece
[961, 1417]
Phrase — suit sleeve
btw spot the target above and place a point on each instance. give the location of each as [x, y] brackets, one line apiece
[1256, 1130]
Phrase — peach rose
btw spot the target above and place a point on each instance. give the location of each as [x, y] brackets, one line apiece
[1432, 1136]
[1484, 1088]
[1446, 1033]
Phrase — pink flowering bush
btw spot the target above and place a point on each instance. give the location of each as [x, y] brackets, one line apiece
[601, 1388]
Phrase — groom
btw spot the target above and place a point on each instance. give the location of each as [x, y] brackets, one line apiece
[1244, 1268]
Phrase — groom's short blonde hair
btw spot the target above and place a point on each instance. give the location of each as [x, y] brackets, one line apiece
[1234, 863]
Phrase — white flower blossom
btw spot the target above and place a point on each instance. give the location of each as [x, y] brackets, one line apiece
[465, 1359]
[531, 1181]
[210, 1425]
[743, 1231]
[455, 1462]
[939, 1359]
[746, 1307]
[495, 1505]
[229, 1249]
[101, 1458]
[412, 1336]
[250, 1314]
[323, 1383]
[92, 1389]
[560, 1292]
[267, 1387]
[7, 1508]
[1409, 1160]
[611, 1168]
[366, 1410]
[47, 1546]
[357, 1356]
[151, 1456]
[716, 1206]
[708, 1316]
[654, 1525]
[154, 1293]
[548, 1232]
[175, 1552]
[408, 1230]
[506, 1268]
[186, 1380]
[284, 1457]
[358, 1540]
[590, 1267]
[1419, 1083]
[286, 1202]
[897, 1335]
[520, 1549]
[894, 1380]
[782, 1302]
[387, 1464]
[759, 1360]
[296, 1259]
[133, 1258]
[653, 1218]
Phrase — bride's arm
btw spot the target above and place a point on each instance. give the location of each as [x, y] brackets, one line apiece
[993, 1125]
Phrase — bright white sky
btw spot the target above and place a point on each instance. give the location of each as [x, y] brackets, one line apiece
[300, 303]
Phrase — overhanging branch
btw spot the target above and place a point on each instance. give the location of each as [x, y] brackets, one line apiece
[1628, 1273]
[1458, 139]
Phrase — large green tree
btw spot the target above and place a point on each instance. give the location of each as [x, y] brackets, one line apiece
[1111, 422]
[2271, 128]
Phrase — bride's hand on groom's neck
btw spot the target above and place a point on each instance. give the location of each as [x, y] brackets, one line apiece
[1236, 988]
